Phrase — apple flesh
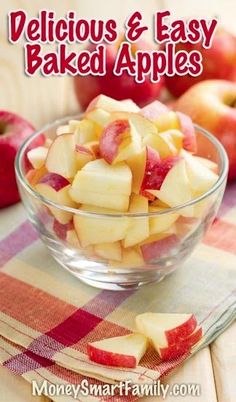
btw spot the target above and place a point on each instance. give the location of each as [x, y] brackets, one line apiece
[56, 188]
[61, 158]
[61, 230]
[211, 104]
[99, 184]
[83, 156]
[154, 110]
[109, 251]
[13, 131]
[158, 246]
[34, 175]
[85, 130]
[139, 227]
[97, 230]
[37, 156]
[121, 351]
[161, 223]
[131, 258]
[166, 329]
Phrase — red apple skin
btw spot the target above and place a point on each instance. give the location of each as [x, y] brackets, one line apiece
[187, 128]
[219, 62]
[152, 160]
[61, 229]
[217, 115]
[157, 249]
[157, 174]
[181, 347]
[111, 139]
[122, 87]
[54, 180]
[182, 331]
[110, 359]
[13, 131]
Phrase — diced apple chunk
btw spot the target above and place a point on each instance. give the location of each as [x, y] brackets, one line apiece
[110, 105]
[86, 131]
[161, 223]
[109, 251]
[61, 158]
[96, 230]
[122, 351]
[99, 184]
[83, 156]
[37, 156]
[99, 116]
[167, 121]
[158, 246]
[139, 227]
[131, 258]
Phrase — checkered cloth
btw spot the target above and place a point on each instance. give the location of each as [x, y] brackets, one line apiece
[47, 317]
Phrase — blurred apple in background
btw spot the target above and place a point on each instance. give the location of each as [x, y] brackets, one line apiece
[219, 62]
[122, 87]
[212, 105]
[13, 131]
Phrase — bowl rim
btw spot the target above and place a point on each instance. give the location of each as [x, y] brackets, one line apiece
[21, 177]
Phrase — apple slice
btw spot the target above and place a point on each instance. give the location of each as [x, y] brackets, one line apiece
[130, 105]
[111, 105]
[85, 131]
[56, 188]
[175, 189]
[37, 156]
[208, 163]
[83, 155]
[164, 330]
[161, 223]
[92, 229]
[158, 246]
[99, 184]
[34, 175]
[109, 251]
[187, 128]
[61, 158]
[121, 351]
[131, 258]
[167, 121]
[154, 110]
[72, 238]
[139, 227]
[119, 141]
[200, 177]
[181, 347]
[98, 116]
[61, 229]
[158, 174]
[162, 144]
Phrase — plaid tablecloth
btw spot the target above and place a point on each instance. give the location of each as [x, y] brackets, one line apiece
[47, 317]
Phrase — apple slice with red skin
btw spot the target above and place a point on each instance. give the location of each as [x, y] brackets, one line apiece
[187, 128]
[181, 347]
[154, 110]
[37, 156]
[121, 351]
[56, 188]
[61, 229]
[13, 131]
[83, 155]
[34, 175]
[61, 158]
[119, 141]
[164, 329]
[158, 246]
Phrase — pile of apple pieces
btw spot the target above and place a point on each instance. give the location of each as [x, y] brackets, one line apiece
[171, 335]
[119, 159]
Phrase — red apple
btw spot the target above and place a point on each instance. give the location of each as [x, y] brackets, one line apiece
[13, 131]
[181, 347]
[219, 62]
[211, 104]
[122, 87]
[121, 351]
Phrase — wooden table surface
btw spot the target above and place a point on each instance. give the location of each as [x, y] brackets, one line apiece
[41, 100]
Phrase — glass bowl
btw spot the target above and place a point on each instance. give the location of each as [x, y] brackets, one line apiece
[99, 264]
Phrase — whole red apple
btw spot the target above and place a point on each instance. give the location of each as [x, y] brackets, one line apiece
[122, 87]
[13, 131]
[219, 62]
[212, 105]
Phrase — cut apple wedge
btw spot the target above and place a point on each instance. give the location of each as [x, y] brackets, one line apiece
[72, 238]
[56, 188]
[208, 163]
[161, 223]
[130, 105]
[181, 347]
[158, 246]
[85, 131]
[167, 121]
[164, 330]
[98, 116]
[61, 158]
[83, 155]
[61, 229]
[201, 178]
[162, 144]
[121, 351]
[131, 258]
[109, 251]
[99, 184]
[139, 227]
[34, 175]
[111, 105]
[158, 174]
[119, 141]
[187, 128]
[37, 156]
[97, 230]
